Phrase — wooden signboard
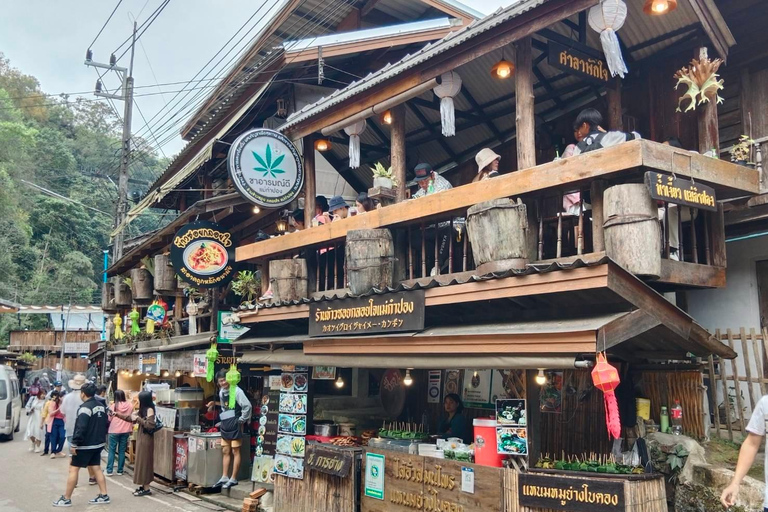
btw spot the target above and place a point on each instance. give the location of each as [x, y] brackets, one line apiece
[332, 461]
[413, 482]
[578, 63]
[270, 435]
[680, 191]
[393, 312]
[571, 494]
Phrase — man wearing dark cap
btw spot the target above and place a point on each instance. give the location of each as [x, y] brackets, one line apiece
[338, 207]
[429, 181]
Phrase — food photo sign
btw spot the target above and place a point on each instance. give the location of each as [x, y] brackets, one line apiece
[291, 443]
[511, 422]
[203, 255]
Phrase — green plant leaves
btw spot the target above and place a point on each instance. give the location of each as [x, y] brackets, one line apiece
[266, 165]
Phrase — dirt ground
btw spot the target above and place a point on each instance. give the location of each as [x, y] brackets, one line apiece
[721, 452]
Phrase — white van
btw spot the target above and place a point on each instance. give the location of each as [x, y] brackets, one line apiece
[10, 403]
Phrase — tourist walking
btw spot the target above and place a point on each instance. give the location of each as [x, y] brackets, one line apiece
[144, 469]
[35, 431]
[70, 405]
[55, 425]
[88, 439]
[119, 432]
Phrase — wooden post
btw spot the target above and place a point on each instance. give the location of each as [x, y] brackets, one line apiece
[613, 94]
[709, 136]
[598, 239]
[397, 148]
[524, 111]
[310, 187]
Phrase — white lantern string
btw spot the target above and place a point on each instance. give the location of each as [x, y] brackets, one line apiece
[450, 85]
[354, 130]
[606, 18]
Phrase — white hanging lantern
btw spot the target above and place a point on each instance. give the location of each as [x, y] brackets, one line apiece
[354, 130]
[607, 17]
[450, 85]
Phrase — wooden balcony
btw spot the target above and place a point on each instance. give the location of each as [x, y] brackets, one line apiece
[424, 223]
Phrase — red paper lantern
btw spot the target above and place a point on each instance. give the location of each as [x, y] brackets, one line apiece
[606, 378]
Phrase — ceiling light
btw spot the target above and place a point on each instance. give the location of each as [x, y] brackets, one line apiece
[281, 225]
[659, 7]
[178, 373]
[322, 145]
[541, 379]
[166, 373]
[502, 69]
[256, 209]
[408, 380]
[386, 117]
[339, 382]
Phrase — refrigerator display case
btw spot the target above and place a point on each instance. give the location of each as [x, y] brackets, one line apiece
[204, 458]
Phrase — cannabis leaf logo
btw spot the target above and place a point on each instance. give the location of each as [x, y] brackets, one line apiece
[266, 165]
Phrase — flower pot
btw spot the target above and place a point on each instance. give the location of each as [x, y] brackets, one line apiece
[381, 182]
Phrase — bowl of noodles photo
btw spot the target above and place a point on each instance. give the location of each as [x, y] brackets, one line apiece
[205, 257]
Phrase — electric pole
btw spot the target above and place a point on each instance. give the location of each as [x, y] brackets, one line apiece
[126, 95]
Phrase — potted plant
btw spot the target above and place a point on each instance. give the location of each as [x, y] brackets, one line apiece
[246, 285]
[742, 150]
[383, 177]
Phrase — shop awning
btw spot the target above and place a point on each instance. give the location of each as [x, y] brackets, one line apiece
[177, 343]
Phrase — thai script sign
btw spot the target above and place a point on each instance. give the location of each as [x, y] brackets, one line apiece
[203, 255]
[578, 63]
[571, 494]
[328, 460]
[680, 191]
[392, 312]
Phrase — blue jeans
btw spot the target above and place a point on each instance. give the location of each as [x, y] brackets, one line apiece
[58, 435]
[47, 441]
[119, 443]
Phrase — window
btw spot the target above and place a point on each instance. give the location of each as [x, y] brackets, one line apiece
[15, 388]
[3, 390]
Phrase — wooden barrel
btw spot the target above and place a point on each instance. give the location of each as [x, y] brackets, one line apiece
[631, 229]
[370, 258]
[165, 275]
[122, 292]
[288, 279]
[108, 297]
[141, 284]
[498, 232]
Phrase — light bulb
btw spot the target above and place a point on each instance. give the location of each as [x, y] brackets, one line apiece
[541, 379]
[166, 373]
[339, 382]
[408, 380]
[660, 6]
[256, 209]
[137, 372]
[322, 145]
[504, 72]
[147, 374]
[178, 373]
[502, 69]
[386, 117]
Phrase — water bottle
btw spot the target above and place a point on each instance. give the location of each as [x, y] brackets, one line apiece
[677, 418]
[664, 420]
[425, 422]
[431, 187]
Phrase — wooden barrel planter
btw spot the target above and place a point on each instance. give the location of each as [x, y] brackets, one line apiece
[631, 229]
[108, 297]
[165, 275]
[141, 284]
[122, 292]
[370, 258]
[498, 233]
[288, 279]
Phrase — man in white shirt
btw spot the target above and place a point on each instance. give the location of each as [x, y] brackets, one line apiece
[429, 181]
[756, 432]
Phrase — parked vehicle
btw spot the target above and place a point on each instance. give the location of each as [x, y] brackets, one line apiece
[10, 403]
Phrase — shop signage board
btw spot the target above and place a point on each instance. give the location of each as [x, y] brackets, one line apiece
[375, 468]
[199, 365]
[481, 388]
[150, 363]
[271, 401]
[326, 460]
[412, 482]
[203, 254]
[324, 373]
[578, 63]
[433, 386]
[390, 313]
[229, 331]
[680, 191]
[570, 494]
[265, 167]
[77, 347]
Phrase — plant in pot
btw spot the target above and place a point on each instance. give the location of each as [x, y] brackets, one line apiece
[742, 150]
[246, 286]
[383, 177]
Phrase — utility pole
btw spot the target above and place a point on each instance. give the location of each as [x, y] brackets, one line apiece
[126, 95]
[64, 340]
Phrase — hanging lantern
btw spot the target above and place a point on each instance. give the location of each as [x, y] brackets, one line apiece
[233, 377]
[606, 378]
[211, 355]
[322, 145]
[354, 130]
[386, 117]
[502, 69]
[607, 17]
[449, 86]
[659, 7]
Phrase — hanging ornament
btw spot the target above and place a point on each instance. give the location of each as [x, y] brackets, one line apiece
[155, 315]
[606, 378]
[607, 17]
[118, 331]
[211, 356]
[192, 310]
[449, 86]
[354, 130]
[164, 305]
[134, 317]
[233, 377]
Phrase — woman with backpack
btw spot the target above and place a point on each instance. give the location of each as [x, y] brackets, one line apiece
[143, 470]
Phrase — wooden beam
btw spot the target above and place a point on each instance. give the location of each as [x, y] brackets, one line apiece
[368, 6]
[525, 116]
[691, 274]
[450, 10]
[310, 179]
[435, 134]
[714, 26]
[478, 108]
[613, 95]
[625, 328]
[397, 148]
[709, 135]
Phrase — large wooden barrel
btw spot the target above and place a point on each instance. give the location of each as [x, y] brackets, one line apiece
[165, 275]
[288, 279]
[141, 284]
[498, 232]
[631, 229]
[370, 259]
[108, 297]
[122, 292]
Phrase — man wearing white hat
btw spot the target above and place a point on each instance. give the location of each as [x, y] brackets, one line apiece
[487, 164]
[69, 406]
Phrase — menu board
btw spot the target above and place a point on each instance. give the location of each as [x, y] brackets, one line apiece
[269, 444]
[291, 443]
[511, 427]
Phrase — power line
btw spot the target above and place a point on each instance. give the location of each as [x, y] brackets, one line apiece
[105, 24]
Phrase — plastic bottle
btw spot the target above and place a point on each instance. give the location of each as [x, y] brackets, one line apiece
[677, 418]
[664, 419]
[431, 187]
[425, 422]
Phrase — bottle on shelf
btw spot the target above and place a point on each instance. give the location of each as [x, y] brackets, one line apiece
[664, 420]
[677, 418]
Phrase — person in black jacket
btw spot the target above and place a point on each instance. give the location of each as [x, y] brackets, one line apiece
[88, 439]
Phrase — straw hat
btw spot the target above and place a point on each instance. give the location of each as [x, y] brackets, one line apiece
[77, 382]
[484, 158]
